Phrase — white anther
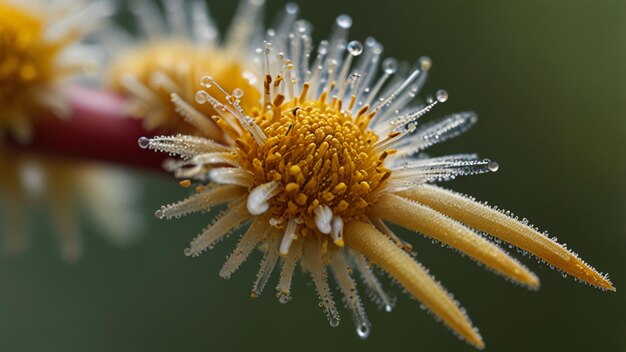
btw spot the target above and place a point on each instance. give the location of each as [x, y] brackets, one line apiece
[337, 231]
[323, 218]
[258, 197]
[288, 237]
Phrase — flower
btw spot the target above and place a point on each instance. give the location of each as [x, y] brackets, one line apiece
[180, 47]
[331, 154]
[40, 47]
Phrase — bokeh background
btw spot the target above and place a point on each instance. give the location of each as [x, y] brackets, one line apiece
[548, 79]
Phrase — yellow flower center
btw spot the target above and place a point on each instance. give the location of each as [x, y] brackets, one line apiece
[320, 156]
[152, 73]
[25, 57]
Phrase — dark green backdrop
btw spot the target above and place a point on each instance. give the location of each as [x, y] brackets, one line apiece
[548, 81]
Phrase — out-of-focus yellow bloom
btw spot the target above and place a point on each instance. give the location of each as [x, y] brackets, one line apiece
[180, 47]
[39, 48]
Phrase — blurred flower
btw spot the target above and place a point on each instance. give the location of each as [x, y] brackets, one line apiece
[107, 195]
[179, 47]
[42, 44]
[331, 153]
[39, 47]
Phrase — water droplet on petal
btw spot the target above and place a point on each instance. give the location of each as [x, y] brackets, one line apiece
[441, 95]
[207, 82]
[238, 93]
[160, 214]
[425, 63]
[188, 252]
[143, 142]
[202, 97]
[284, 298]
[493, 166]
[363, 331]
[334, 322]
[355, 48]
[344, 21]
[390, 66]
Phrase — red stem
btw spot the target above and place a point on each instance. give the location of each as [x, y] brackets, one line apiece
[99, 129]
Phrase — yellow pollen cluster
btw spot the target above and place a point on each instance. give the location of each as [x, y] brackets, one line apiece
[319, 155]
[26, 61]
[169, 66]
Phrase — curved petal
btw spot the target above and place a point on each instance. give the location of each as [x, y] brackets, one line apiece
[423, 219]
[501, 226]
[365, 239]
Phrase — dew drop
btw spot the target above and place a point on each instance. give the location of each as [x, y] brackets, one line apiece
[143, 142]
[322, 49]
[334, 322]
[355, 48]
[207, 81]
[363, 331]
[188, 252]
[388, 308]
[202, 97]
[425, 63]
[441, 95]
[160, 214]
[291, 8]
[238, 93]
[344, 21]
[493, 166]
[390, 66]
[284, 298]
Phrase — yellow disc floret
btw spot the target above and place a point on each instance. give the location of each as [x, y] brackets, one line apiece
[153, 72]
[27, 68]
[319, 154]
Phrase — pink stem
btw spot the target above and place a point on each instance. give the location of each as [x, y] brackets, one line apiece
[99, 129]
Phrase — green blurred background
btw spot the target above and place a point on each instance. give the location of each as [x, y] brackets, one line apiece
[548, 79]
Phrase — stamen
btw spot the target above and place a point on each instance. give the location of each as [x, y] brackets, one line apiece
[354, 48]
[323, 218]
[194, 117]
[215, 159]
[259, 196]
[231, 176]
[288, 237]
[437, 132]
[419, 171]
[234, 100]
[337, 231]
[390, 67]
[401, 122]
